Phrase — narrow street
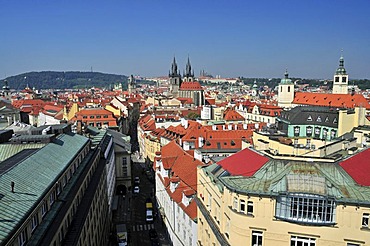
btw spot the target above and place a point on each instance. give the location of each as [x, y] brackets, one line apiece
[132, 210]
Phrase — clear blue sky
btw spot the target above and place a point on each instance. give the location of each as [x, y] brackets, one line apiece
[231, 38]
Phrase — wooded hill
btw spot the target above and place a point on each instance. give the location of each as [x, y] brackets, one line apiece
[64, 80]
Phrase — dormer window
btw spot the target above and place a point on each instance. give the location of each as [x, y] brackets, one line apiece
[173, 186]
[335, 121]
[318, 118]
[309, 118]
[327, 119]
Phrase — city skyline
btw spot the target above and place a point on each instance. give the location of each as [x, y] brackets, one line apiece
[231, 39]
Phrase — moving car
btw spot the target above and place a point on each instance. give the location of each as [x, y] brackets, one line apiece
[136, 190]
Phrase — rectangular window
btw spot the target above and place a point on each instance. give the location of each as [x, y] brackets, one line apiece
[58, 189]
[235, 204]
[34, 222]
[44, 208]
[105, 116]
[336, 79]
[353, 244]
[92, 117]
[296, 130]
[256, 238]
[309, 131]
[52, 197]
[250, 208]
[302, 241]
[344, 79]
[242, 206]
[365, 220]
[22, 238]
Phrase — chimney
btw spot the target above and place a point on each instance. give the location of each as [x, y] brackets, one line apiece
[12, 185]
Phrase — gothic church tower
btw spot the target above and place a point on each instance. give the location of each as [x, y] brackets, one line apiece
[188, 74]
[131, 84]
[175, 79]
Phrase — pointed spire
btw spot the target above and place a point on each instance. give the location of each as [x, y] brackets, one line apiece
[174, 71]
[188, 68]
[341, 69]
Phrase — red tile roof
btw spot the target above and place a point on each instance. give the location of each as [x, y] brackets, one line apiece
[191, 86]
[147, 123]
[28, 102]
[358, 167]
[184, 171]
[245, 163]
[331, 100]
[231, 115]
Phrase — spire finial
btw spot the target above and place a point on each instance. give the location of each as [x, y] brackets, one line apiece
[286, 73]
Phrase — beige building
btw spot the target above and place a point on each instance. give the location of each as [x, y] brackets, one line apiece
[252, 199]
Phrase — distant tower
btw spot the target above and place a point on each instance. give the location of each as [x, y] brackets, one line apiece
[286, 92]
[6, 90]
[131, 84]
[188, 74]
[175, 79]
[340, 82]
[255, 89]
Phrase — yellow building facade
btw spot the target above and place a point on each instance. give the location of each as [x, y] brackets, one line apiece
[282, 203]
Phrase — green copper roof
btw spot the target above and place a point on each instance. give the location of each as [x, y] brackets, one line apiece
[8, 150]
[341, 70]
[281, 176]
[286, 80]
[33, 177]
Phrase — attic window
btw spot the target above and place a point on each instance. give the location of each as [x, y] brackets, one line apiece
[309, 118]
[335, 121]
[318, 118]
[327, 119]
[232, 143]
[208, 143]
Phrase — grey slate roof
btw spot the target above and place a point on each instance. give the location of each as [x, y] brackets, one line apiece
[32, 177]
[300, 115]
